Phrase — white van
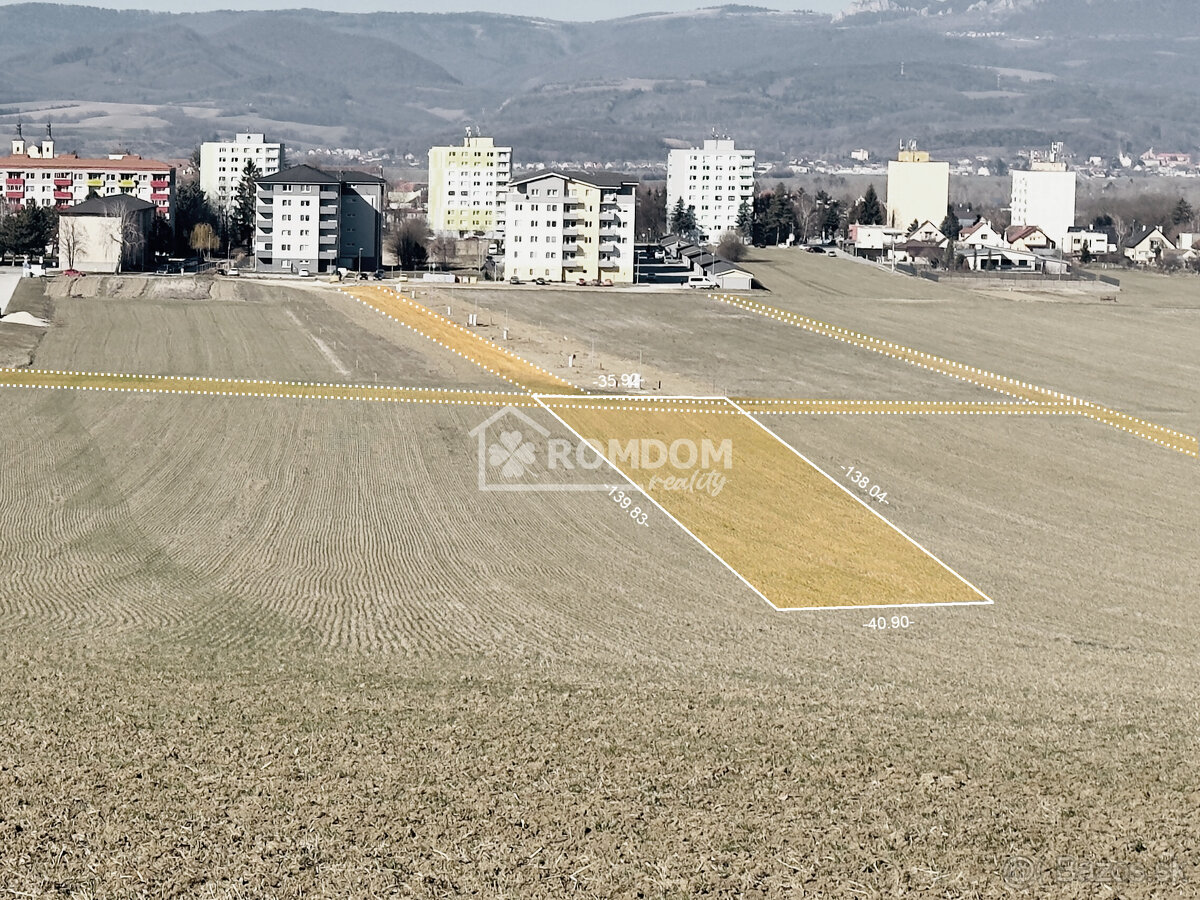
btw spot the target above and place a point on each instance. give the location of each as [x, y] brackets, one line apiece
[701, 281]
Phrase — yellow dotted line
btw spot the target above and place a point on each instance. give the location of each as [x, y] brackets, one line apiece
[940, 364]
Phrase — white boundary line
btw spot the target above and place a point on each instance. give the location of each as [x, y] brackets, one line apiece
[986, 601]
[660, 507]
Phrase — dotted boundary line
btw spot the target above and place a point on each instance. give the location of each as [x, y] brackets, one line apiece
[1176, 440]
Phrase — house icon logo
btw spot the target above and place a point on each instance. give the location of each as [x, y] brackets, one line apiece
[515, 453]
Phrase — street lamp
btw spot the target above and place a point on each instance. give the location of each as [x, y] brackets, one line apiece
[360, 262]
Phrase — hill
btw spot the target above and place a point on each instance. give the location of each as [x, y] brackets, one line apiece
[983, 76]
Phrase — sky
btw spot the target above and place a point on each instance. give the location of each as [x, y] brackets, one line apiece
[563, 9]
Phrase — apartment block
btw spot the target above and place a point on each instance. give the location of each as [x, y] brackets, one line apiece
[568, 225]
[468, 188]
[306, 218]
[918, 189]
[34, 175]
[715, 180]
[1045, 196]
[222, 162]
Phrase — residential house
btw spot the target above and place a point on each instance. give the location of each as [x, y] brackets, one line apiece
[1079, 237]
[1027, 237]
[928, 233]
[106, 234]
[1146, 245]
[979, 235]
[567, 225]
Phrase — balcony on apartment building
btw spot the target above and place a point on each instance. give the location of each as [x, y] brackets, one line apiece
[160, 183]
[328, 209]
[160, 198]
[63, 195]
[329, 195]
[63, 182]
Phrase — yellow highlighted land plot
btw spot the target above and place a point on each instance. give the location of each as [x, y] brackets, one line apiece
[790, 532]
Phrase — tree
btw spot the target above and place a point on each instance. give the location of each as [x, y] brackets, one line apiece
[731, 247]
[678, 211]
[650, 213]
[242, 224]
[949, 226]
[204, 239]
[1182, 214]
[408, 242]
[443, 248]
[686, 226]
[128, 236]
[30, 230]
[192, 208]
[869, 210]
[1085, 254]
[780, 221]
[71, 239]
[745, 221]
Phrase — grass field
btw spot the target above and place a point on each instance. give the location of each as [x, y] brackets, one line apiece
[263, 647]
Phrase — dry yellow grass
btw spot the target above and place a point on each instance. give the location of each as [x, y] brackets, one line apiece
[794, 535]
[465, 343]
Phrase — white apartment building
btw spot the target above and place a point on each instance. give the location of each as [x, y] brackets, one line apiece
[306, 218]
[1045, 196]
[35, 175]
[568, 225]
[715, 180]
[222, 162]
[918, 189]
[468, 188]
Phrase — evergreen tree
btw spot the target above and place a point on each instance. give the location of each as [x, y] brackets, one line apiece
[242, 224]
[745, 221]
[678, 211]
[781, 215]
[685, 224]
[949, 226]
[870, 210]
[1182, 214]
[1085, 255]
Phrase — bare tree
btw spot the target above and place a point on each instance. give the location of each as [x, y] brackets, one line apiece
[71, 239]
[128, 236]
[731, 247]
[408, 242]
[443, 248]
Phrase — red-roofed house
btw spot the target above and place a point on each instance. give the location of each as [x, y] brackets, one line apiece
[1027, 237]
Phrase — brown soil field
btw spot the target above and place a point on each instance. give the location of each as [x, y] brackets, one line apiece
[270, 648]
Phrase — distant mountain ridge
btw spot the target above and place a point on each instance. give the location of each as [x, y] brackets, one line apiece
[979, 76]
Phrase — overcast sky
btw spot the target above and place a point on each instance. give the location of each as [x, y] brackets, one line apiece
[563, 9]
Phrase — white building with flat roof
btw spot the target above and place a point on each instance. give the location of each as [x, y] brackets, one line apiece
[715, 180]
[222, 163]
[468, 188]
[918, 189]
[1045, 196]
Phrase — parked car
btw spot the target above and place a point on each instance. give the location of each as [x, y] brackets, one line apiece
[304, 273]
[833, 253]
[582, 282]
[379, 275]
[514, 280]
[607, 282]
[541, 281]
[232, 271]
[815, 249]
[701, 281]
[73, 273]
